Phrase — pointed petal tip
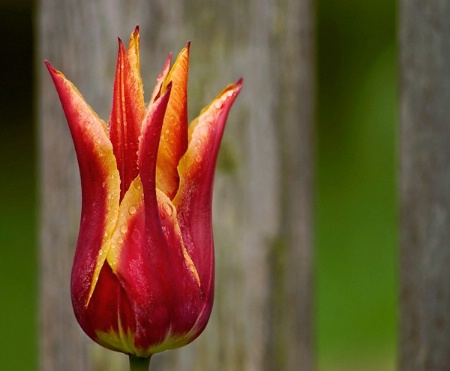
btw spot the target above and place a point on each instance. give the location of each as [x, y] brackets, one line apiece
[186, 49]
[167, 63]
[49, 65]
[234, 88]
[135, 34]
[53, 71]
[120, 46]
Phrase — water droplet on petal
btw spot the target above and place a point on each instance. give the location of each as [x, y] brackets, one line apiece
[123, 228]
[208, 118]
[132, 210]
[100, 253]
[120, 240]
[203, 131]
[198, 158]
[218, 104]
[113, 246]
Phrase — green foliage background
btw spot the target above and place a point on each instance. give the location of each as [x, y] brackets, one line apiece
[356, 203]
[356, 220]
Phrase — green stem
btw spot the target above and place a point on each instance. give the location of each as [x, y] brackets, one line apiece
[138, 363]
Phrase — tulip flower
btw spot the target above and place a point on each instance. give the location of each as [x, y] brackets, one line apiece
[143, 273]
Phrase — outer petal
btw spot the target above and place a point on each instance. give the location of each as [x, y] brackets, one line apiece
[100, 192]
[194, 197]
[173, 142]
[128, 111]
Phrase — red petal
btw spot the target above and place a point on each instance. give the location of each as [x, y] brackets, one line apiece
[159, 281]
[148, 148]
[100, 185]
[127, 113]
[197, 167]
[110, 315]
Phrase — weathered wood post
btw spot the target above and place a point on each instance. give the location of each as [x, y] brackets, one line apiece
[425, 185]
[262, 318]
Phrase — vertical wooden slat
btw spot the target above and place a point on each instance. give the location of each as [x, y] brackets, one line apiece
[425, 185]
[263, 188]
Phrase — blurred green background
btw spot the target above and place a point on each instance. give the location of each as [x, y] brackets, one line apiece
[356, 226]
[356, 215]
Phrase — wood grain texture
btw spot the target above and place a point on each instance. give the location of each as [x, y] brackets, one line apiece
[262, 319]
[425, 185]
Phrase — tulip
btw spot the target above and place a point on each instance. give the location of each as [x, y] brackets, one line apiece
[143, 273]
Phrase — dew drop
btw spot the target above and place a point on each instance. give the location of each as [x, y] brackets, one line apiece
[218, 104]
[198, 158]
[120, 240]
[113, 246]
[203, 131]
[132, 210]
[100, 252]
[123, 228]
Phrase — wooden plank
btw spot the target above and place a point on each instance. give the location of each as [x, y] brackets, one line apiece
[263, 188]
[425, 185]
